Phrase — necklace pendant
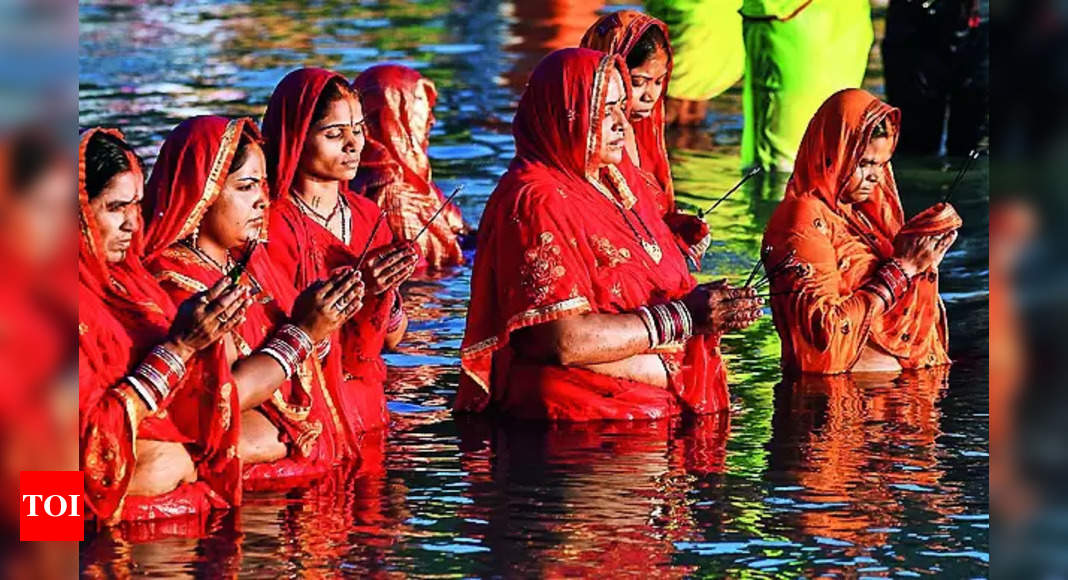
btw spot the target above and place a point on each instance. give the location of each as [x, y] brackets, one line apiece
[653, 249]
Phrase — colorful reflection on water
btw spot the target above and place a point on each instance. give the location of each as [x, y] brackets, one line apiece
[821, 476]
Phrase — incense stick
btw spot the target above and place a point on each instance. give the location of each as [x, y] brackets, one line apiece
[972, 156]
[235, 273]
[737, 186]
[774, 270]
[444, 204]
[371, 238]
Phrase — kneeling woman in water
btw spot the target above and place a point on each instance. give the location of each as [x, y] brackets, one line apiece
[205, 205]
[582, 306]
[395, 168]
[157, 439]
[862, 294]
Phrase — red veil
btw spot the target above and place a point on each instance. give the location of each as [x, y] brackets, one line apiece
[618, 33]
[394, 168]
[554, 242]
[187, 178]
[305, 251]
[825, 327]
[122, 314]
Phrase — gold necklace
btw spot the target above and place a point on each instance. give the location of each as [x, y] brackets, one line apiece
[651, 247]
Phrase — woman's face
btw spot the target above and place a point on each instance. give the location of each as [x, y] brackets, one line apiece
[647, 85]
[332, 149]
[419, 114]
[613, 120]
[238, 213]
[117, 210]
[868, 172]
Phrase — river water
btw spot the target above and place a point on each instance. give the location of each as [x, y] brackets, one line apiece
[836, 477]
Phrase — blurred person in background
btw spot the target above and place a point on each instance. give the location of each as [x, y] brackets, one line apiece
[706, 36]
[936, 58]
[398, 105]
[798, 53]
[642, 41]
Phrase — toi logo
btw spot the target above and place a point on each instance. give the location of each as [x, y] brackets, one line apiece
[51, 506]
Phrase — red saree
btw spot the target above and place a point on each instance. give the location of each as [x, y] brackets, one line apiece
[394, 168]
[305, 251]
[618, 33]
[554, 242]
[825, 327]
[188, 176]
[122, 314]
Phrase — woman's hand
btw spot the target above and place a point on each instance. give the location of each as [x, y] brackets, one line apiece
[918, 254]
[325, 305]
[387, 267]
[206, 317]
[718, 308]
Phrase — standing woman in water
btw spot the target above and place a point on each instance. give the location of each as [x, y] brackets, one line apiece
[642, 41]
[863, 295]
[398, 104]
[314, 131]
[158, 424]
[582, 306]
[206, 203]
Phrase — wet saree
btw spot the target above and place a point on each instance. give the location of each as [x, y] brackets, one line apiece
[825, 326]
[394, 166]
[559, 239]
[122, 314]
[187, 178]
[304, 251]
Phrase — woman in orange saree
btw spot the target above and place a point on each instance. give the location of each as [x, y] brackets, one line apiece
[859, 295]
[158, 437]
[643, 42]
[205, 209]
[314, 136]
[398, 104]
[582, 307]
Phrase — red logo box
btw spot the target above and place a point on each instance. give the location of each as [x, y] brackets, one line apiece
[51, 506]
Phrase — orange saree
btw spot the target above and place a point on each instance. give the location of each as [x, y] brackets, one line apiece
[827, 322]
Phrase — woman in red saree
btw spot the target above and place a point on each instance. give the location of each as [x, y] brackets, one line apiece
[582, 307]
[314, 135]
[205, 204]
[643, 43]
[860, 296]
[153, 445]
[398, 104]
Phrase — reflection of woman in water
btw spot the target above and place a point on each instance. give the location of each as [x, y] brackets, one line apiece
[861, 296]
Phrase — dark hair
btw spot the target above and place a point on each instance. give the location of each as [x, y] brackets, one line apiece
[881, 129]
[241, 153]
[650, 42]
[33, 151]
[335, 90]
[106, 157]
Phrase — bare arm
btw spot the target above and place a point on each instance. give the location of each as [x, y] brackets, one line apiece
[583, 340]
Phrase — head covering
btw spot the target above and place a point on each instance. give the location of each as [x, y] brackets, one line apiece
[123, 313]
[188, 175]
[286, 123]
[838, 246]
[618, 33]
[387, 92]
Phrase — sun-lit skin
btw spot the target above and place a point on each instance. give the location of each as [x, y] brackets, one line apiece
[332, 149]
[613, 121]
[117, 210]
[868, 172]
[419, 115]
[647, 85]
[237, 215]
